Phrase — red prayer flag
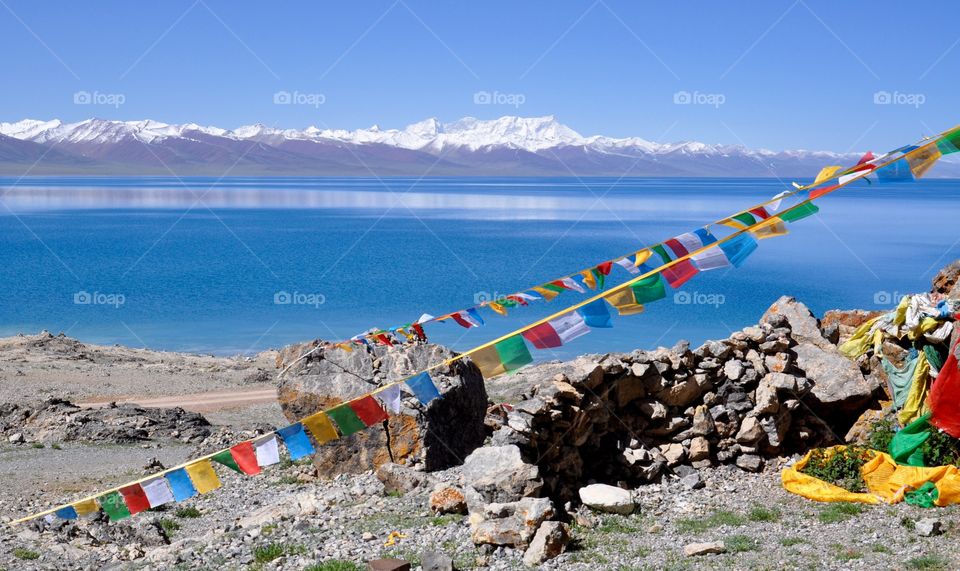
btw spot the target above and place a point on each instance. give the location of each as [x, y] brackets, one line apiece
[945, 397]
[384, 340]
[419, 329]
[518, 299]
[245, 456]
[369, 410]
[543, 336]
[679, 273]
[461, 321]
[604, 268]
[679, 249]
[821, 191]
[760, 212]
[135, 498]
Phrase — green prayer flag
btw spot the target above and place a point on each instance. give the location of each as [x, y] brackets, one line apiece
[226, 458]
[745, 218]
[799, 212]
[346, 419]
[950, 143]
[598, 275]
[659, 249]
[114, 506]
[649, 289]
[905, 446]
[513, 353]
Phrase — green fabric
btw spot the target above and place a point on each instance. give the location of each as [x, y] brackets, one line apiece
[513, 353]
[599, 277]
[746, 218]
[924, 496]
[346, 419]
[114, 506]
[950, 143]
[226, 458]
[554, 287]
[649, 289]
[900, 379]
[659, 249]
[800, 212]
[933, 356]
[905, 446]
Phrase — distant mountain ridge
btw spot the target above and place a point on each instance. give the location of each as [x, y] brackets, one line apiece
[509, 146]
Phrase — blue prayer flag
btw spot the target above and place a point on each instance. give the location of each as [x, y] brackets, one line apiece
[67, 513]
[423, 388]
[181, 485]
[739, 248]
[595, 314]
[295, 438]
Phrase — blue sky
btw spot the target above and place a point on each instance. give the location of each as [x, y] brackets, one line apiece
[777, 74]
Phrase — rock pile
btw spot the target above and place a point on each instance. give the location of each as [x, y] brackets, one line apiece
[768, 390]
[59, 420]
[438, 436]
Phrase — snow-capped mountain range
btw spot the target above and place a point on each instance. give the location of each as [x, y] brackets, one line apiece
[504, 146]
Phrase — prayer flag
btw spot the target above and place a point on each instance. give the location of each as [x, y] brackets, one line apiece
[899, 170]
[475, 315]
[826, 173]
[158, 491]
[369, 410]
[630, 300]
[114, 506]
[588, 279]
[922, 160]
[777, 200]
[950, 142]
[945, 397]
[800, 211]
[320, 427]
[384, 340]
[595, 314]
[548, 294]
[464, 319]
[267, 450]
[499, 308]
[852, 176]
[570, 283]
[86, 507]
[225, 458]
[676, 275]
[135, 498]
[505, 356]
[753, 219]
[628, 265]
[556, 332]
[202, 475]
[296, 440]
[390, 397]
[423, 388]
[642, 256]
[739, 248]
[66, 513]
[346, 419]
[181, 485]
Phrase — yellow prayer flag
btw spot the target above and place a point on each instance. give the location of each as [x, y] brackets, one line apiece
[346, 347]
[203, 477]
[642, 256]
[826, 173]
[404, 332]
[770, 228]
[489, 362]
[921, 160]
[624, 301]
[86, 507]
[497, 307]
[320, 427]
[588, 279]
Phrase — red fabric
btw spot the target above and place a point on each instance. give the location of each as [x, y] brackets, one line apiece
[245, 456]
[384, 339]
[945, 398]
[518, 299]
[135, 498]
[559, 283]
[461, 321]
[369, 410]
[761, 212]
[543, 336]
[821, 191]
[678, 249]
[419, 329]
[866, 158]
[679, 273]
[604, 268]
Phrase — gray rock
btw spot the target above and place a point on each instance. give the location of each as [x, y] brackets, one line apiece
[750, 462]
[401, 479]
[433, 561]
[550, 541]
[499, 474]
[928, 527]
[838, 384]
[512, 524]
[804, 327]
[692, 481]
[605, 498]
[695, 549]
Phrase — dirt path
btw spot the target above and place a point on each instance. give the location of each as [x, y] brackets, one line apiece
[198, 402]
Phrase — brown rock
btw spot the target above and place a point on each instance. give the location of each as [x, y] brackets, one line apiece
[448, 500]
[699, 449]
[388, 565]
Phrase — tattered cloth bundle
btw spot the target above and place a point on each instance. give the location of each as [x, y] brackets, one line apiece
[887, 482]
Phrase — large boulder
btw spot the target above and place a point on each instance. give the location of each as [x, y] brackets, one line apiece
[438, 436]
[838, 385]
[499, 474]
[804, 327]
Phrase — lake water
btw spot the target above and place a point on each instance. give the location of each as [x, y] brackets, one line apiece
[195, 265]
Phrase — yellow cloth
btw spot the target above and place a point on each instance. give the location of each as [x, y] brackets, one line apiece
[86, 507]
[916, 403]
[496, 307]
[886, 480]
[900, 314]
[203, 477]
[642, 256]
[770, 228]
[346, 347]
[547, 294]
[624, 301]
[826, 173]
[926, 325]
[924, 158]
[588, 279]
[860, 341]
[320, 427]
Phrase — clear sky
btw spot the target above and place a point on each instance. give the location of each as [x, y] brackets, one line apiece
[776, 74]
